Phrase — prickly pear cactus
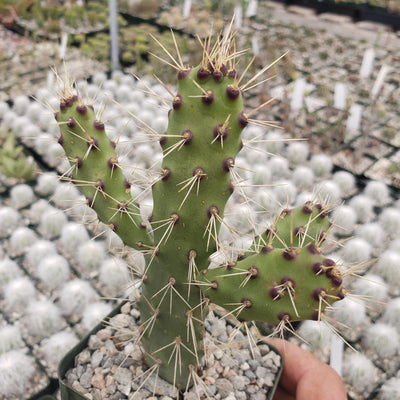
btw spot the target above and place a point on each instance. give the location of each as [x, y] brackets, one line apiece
[282, 277]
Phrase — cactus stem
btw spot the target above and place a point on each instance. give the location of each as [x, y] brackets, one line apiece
[71, 122]
[243, 305]
[193, 271]
[243, 120]
[178, 145]
[251, 273]
[72, 169]
[177, 102]
[208, 97]
[148, 325]
[198, 175]
[165, 173]
[187, 137]
[211, 227]
[81, 109]
[232, 92]
[203, 74]
[93, 144]
[290, 254]
[228, 164]
[221, 131]
[247, 303]
[168, 224]
[98, 125]
[191, 332]
[317, 268]
[112, 163]
[175, 355]
[78, 162]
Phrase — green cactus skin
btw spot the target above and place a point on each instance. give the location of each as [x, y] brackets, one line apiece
[94, 169]
[298, 227]
[199, 150]
[277, 284]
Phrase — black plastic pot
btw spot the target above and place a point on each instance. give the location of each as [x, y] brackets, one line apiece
[68, 393]
[343, 8]
[377, 14]
[358, 12]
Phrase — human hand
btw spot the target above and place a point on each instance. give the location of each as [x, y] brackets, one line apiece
[305, 377]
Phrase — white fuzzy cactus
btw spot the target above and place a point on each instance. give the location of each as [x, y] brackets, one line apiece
[378, 191]
[46, 183]
[357, 250]
[21, 195]
[388, 267]
[9, 270]
[360, 372]
[18, 293]
[346, 182]
[53, 271]
[350, 316]
[73, 234]
[10, 219]
[303, 177]
[317, 336]
[38, 251]
[42, 318]
[391, 314]
[90, 255]
[390, 390]
[10, 338]
[345, 219]
[57, 345]
[95, 313]
[75, 296]
[373, 233]
[297, 153]
[364, 207]
[394, 245]
[16, 371]
[382, 339]
[37, 209]
[389, 219]
[21, 104]
[51, 223]
[20, 240]
[321, 164]
[373, 288]
[114, 273]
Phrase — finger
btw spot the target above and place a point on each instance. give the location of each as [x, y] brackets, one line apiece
[306, 376]
[321, 383]
[282, 394]
[296, 363]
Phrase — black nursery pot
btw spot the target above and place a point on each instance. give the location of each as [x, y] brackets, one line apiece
[68, 393]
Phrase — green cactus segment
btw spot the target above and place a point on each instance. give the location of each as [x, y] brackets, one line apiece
[199, 148]
[172, 325]
[95, 170]
[298, 227]
[204, 130]
[290, 285]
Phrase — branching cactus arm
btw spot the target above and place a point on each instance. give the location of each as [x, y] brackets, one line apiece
[95, 170]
